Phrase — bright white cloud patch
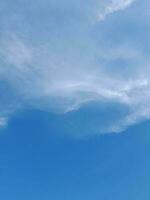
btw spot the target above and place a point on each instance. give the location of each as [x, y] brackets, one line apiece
[65, 68]
[114, 6]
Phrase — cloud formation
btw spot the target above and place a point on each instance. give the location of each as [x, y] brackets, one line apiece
[3, 121]
[114, 6]
[66, 68]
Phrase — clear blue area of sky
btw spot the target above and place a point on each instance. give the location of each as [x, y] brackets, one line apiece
[36, 163]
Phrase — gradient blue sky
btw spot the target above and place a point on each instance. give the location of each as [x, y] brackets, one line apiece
[74, 99]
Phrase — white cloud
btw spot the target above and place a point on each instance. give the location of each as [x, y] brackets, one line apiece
[66, 72]
[114, 6]
[62, 86]
[3, 121]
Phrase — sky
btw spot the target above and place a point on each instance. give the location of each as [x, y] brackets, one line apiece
[74, 99]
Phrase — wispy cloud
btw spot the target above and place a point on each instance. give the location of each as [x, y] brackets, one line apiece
[114, 6]
[62, 86]
[3, 122]
[70, 68]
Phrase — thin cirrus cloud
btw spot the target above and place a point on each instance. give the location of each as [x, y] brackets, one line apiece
[3, 121]
[114, 6]
[65, 69]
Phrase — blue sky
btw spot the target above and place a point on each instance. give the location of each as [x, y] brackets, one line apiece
[74, 99]
[35, 163]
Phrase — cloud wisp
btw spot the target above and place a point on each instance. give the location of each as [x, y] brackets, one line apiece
[3, 121]
[66, 70]
[114, 6]
[60, 86]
